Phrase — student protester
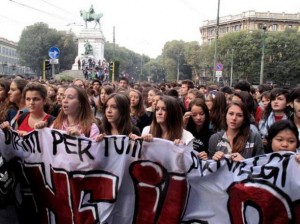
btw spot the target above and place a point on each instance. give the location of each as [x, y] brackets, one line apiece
[263, 103]
[138, 115]
[294, 99]
[80, 83]
[105, 91]
[236, 139]
[35, 95]
[186, 85]
[15, 96]
[59, 97]
[167, 123]
[242, 86]
[193, 94]
[52, 92]
[228, 93]
[283, 136]
[217, 112]
[116, 120]
[151, 112]
[151, 93]
[247, 99]
[277, 110]
[95, 92]
[202, 89]
[7, 109]
[123, 83]
[76, 116]
[174, 93]
[196, 120]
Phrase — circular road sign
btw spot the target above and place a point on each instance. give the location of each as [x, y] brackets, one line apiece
[53, 52]
[219, 67]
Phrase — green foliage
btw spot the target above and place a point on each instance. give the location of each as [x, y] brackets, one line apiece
[282, 57]
[66, 78]
[130, 63]
[35, 42]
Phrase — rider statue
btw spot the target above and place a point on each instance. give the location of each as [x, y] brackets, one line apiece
[91, 11]
[88, 48]
[91, 15]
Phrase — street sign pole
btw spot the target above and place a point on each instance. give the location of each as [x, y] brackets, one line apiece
[52, 70]
[53, 54]
[44, 71]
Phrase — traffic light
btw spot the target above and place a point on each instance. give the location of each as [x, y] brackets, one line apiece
[47, 65]
[111, 68]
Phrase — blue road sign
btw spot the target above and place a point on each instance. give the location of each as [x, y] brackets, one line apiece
[219, 67]
[53, 52]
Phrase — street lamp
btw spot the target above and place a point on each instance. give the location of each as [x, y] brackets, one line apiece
[231, 67]
[178, 57]
[216, 41]
[261, 77]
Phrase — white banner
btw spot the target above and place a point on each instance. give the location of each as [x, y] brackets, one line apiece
[75, 180]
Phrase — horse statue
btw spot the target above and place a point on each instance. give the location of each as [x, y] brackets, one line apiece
[88, 17]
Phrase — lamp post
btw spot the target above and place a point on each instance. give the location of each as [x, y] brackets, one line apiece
[178, 57]
[141, 74]
[261, 77]
[216, 42]
[231, 67]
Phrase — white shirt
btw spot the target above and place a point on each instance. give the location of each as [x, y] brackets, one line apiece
[186, 137]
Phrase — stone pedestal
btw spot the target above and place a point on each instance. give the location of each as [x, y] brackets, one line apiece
[96, 38]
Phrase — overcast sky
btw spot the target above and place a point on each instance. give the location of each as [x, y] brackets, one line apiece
[142, 26]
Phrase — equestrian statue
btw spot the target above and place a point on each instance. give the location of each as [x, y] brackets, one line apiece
[89, 16]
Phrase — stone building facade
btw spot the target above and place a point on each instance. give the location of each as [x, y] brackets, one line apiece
[9, 59]
[249, 21]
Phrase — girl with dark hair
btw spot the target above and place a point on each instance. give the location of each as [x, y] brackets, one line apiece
[116, 119]
[167, 123]
[150, 95]
[276, 110]
[105, 91]
[138, 114]
[237, 139]
[35, 97]
[217, 111]
[76, 116]
[247, 99]
[15, 96]
[7, 109]
[196, 121]
[59, 97]
[283, 136]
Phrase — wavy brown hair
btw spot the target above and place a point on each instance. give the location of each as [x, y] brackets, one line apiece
[85, 116]
[5, 105]
[139, 108]
[174, 120]
[124, 125]
[217, 111]
[108, 89]
[241, 138]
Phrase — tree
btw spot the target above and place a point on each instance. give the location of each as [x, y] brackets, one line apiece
[131, 64]
[35, 42]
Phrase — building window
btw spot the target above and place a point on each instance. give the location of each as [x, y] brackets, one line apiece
[274, 27]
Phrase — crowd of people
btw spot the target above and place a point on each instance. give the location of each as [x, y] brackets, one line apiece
[239, 122]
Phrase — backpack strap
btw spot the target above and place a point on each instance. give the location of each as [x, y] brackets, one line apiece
[50, 120]
[21, 118]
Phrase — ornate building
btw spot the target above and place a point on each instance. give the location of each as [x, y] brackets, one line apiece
[249, 21]
[9, 59]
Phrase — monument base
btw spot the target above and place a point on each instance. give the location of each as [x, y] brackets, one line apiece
[96, 39]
